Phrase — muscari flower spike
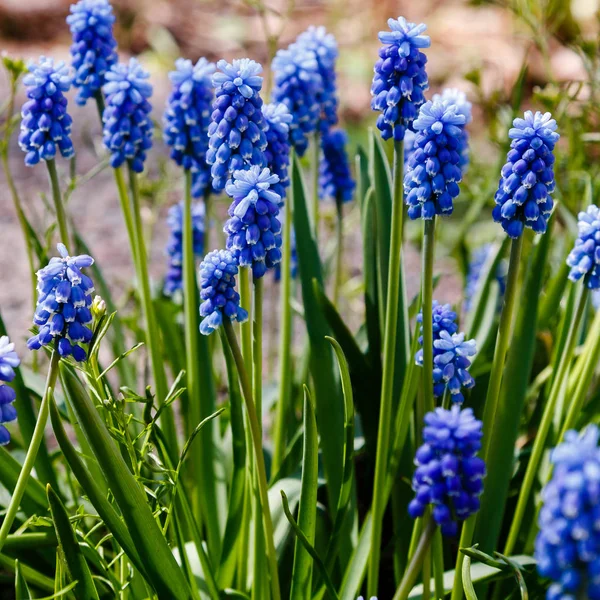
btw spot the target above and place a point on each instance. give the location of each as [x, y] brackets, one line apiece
[237, 129]
[584, 259]
[400, 78]
[217, 291]
[449, 473]
[46, 124]
[127, 125]
[174, 275]
[479, 258]
[433, 171]
[63, 312]
[253, 229]
[9, 361]
[335, 177]
[187, 117]
[567, 547]
[527, 180]
[277, 152]
[93, 50]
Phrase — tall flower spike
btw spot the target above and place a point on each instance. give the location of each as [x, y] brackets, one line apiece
[237, 129]
[127, 123]
[9, 361]
[400, 78]
[187, 117]
[567, 547]
[217, 291]
[253, 229]
[46, 124]
[335, 178]
[63, 305]
[527, 180]
[584, 259]
[433, 171]
[93, 50]
[478, 260]
[277, 152]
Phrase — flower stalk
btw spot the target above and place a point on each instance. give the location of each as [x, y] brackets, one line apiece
[59, 208]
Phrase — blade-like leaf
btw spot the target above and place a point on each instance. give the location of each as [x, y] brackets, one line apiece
[21, 590]
[34, 498]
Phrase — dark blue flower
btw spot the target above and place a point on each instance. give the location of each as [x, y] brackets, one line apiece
[9, 361]
[478, 260]
[63, 306]
[433, 171]
[253, 229]
[400, 78]
[584, 259]
[127, 123]
[567, 547]
[277, 152]
[217, 291]
[237, 128]
[335, 177]
[523, 196]
[46, 124]
[94, 46]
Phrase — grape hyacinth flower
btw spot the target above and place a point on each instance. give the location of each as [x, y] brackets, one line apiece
[478, 260]
[46, 124]
[93, 50]
[174, 276]
[277, 152]
[433, 171]
[63, 306]
[449, 473]
[584, 259]
[9, 361]
[400, 78]
[567, 547]
[527, 180]
[187, 117]
[335, 178]
[253, 229]
[127, 124]
[217, 291]
[237, 130]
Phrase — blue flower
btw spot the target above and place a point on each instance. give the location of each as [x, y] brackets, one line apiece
[94, 46]
[584, 259]
[127, 123]
[237, 129]
[63, 305]
[253, 229]
[479, 258]
[335, 178]
[277, 152]
[217, 291]
[46, 124]
[297, 83]
[400, 78]
[523, 196]
[567, 547]
[9, 361]
[449, 473]
[433, 171]
[187, 117]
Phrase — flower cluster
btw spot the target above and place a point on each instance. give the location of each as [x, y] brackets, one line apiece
[584, 259]
[523, 196]
[567, 548]
[237, 129]
[46, 124]
[217, 283]
[94, 47]
[9, 361]
[253, 229]
[277, 152]
[335, 178]
[478, 260]
[127, 125]
[63, 305]
[187, 117]
[400, 78]
[433, 171]
[173, 278]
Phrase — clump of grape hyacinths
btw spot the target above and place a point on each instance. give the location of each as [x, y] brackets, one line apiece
[127, 125]
[458, 99]
[93, 50]
[237, 130]
[400, 78]
[567, 547]
[63, 306]
[46, 124]
[478, 260]
[433, 171]
[9, 361]
[187, 117]
[449, 474]
[527, 180]
[335, 177]
[253, 229]
[277, 152]
[217, 291]
[584, 259]
[174, 275]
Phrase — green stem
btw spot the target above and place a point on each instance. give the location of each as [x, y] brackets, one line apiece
[339, 252]
[100, 105]
[257, 354]
[246, 328]
[438, 564]
[315, 159]
[61, 217]
[427, 311]
[127, 215]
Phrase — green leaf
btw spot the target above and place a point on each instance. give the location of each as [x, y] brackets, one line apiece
[467, 582]
[34, 498]
[33, 577]
[357, 567]
[21, 590]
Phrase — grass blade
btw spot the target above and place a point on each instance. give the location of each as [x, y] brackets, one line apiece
[34, 498]
[21, 590]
